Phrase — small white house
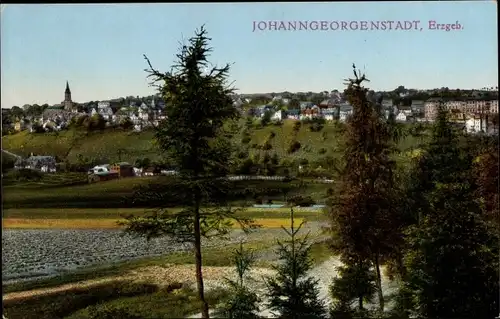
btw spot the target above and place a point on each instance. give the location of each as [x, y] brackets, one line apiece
[401, 117]
[143, 115]
[99, 169]
[328, 114]
[278, 116]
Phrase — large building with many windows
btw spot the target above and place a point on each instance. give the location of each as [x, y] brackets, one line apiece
[460, 108]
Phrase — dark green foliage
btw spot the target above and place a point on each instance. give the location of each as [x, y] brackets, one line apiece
[266, 118]
[365, 220]
[452, 263]
[62, 304]
[37, 128]
[143, 162]
[94, 123]
[245, 139]
[317, 124]
[267, 146]
[291, 293]
[356, 282]
[296, 126]
[108, 312]
[302, 201]
[293, 147]
[316, 127]
[7, 162]
[452, 253]
[242, 154]
[322, 151]
[26, 174]
[242, 303]
[126, 123]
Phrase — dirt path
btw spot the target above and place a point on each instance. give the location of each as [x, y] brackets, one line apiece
[214, 276]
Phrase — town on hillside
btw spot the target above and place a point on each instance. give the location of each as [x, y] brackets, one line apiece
[473, 111]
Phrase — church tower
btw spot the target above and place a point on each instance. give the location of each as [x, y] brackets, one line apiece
[68, 104]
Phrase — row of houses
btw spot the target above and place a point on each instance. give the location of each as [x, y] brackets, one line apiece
[330, 110]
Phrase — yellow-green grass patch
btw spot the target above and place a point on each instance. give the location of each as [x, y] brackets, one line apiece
[118, 213]
[109, 223]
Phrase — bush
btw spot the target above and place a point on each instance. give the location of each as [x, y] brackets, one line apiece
[296, 126]
[293, 147]
[330, 192]
[37, 128]
[267, 146]
[316, 127]
[322, 150]
[271, 135]
[242, 154]
[246, 140]
[26, 174]
[302, 201]
[110, 312]
[126, 123]
[266, 119]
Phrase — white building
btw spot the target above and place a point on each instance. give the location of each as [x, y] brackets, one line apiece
[401, 117]
[278, 116]
[99, 169]
[474, 124]
[344, 115]
[328, 113]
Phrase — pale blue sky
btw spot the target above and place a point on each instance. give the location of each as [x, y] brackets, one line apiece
[99, 48]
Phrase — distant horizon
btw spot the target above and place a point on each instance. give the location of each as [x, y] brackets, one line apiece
[99, 49]
[243, 93]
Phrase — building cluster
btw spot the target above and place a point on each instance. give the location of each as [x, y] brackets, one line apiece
[59, 116]
[476, 115]
[336, 108]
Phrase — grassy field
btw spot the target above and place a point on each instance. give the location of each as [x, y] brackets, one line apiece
[78, 218]
[117, 145]
[118, 193]
[141, 299]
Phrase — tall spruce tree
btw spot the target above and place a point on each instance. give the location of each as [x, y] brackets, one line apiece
[195, 140]
[364, 213]
[452, 254]
[292, 294]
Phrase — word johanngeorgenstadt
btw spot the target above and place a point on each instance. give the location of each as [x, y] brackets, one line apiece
[337, 25]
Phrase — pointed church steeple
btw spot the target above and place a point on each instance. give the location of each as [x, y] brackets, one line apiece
[68, 104]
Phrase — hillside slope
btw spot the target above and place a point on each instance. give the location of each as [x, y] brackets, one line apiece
[117, 145]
